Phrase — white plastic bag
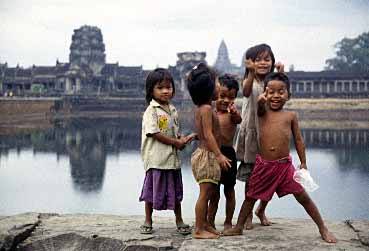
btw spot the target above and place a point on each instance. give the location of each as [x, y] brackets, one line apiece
[302, 176]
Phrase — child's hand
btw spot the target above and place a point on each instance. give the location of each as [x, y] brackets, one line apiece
[232, 109]
[190, 137]
[250, 66]
[180, 143]
[303, 166]
[279, 67]
[224, 162]
[262, 99]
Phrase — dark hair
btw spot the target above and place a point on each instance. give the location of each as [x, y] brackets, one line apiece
[229, 81]
[278, 76]
[155, 77]
[253, 52]
[201, 84]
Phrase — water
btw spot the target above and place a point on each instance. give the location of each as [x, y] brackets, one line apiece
[94, 166]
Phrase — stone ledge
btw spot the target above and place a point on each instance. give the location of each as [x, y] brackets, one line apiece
[34, 231]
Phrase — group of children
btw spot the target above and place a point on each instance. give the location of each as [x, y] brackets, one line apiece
[262, 146]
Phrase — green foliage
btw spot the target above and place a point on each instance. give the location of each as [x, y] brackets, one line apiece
[352, 55]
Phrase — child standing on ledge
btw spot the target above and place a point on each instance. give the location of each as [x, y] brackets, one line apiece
[207, 160]
[229, 118]
[259, 62]
[273, 171]
[162, 188]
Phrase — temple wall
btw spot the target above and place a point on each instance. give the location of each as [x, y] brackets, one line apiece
[23, 106]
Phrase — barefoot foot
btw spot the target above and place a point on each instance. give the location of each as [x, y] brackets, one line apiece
[227, 226]
[212, 229]
[327, 236]
[263, 219]
[204, 235]
[233, 231]
[248, 224]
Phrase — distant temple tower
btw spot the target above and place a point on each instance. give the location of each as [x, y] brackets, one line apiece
[88, 49]
[223, 63]
[186, 61]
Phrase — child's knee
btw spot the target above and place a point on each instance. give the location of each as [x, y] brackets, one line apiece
[302, 197]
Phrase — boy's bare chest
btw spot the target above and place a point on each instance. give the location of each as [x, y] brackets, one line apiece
[276, 123]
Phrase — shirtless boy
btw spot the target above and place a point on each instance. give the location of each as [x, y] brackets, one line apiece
[273, 170]
[228, 117]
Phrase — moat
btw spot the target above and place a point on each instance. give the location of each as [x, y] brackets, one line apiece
[93, 165]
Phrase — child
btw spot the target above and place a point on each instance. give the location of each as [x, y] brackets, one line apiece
[228, 117]
[273, 170]
[162, 188]
[207, 159]
[259, 62]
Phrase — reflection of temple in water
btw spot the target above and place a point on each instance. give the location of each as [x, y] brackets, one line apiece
[350, 145]
[87, 158]
[88, 142]
[336, 138]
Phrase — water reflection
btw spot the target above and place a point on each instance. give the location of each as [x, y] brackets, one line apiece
[88, 142]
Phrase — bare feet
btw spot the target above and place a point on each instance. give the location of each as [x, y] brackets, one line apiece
[204, 235]
[263, 219]
[211, 229]
[327, 236]
[227, 226]
[248, 224]
[233, 231]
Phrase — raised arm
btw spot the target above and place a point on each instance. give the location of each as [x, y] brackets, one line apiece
[249, 79]
[235, 115]
[262, 99]
[299, 141]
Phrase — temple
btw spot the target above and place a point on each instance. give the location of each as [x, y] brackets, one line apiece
[87, 73]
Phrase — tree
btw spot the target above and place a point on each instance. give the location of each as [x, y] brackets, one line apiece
[352, 55]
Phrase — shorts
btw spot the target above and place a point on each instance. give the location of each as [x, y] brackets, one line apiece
[228, 178]
[205, 167]
[271, 176]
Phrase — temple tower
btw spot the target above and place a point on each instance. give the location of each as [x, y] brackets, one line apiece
[87, 49]
[223, 63]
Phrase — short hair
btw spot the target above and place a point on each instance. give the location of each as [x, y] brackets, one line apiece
[253, 52]
[229, 81]
[155, 77]
[201, 84]
[278, 76]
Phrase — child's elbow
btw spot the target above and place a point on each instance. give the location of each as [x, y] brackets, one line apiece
[246, 93]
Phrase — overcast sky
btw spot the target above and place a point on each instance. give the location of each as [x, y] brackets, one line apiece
[150, 33]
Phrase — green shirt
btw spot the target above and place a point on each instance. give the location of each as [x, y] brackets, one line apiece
[154, 153]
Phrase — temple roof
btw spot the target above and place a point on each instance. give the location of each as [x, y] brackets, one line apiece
[44, 70]
[109, 69]
[130, 70]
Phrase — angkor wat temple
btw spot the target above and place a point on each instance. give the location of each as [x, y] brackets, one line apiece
[87, 73]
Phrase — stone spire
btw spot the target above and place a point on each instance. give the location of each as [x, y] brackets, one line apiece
[223, 63]
[87, 49]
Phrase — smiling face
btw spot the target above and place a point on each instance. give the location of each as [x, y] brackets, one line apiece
[226, 98]
[163, 92]
[263, 63]
[277, 94]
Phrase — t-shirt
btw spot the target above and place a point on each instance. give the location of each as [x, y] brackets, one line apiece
[154, 153]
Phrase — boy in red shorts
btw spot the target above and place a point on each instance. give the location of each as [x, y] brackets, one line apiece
[273, 170]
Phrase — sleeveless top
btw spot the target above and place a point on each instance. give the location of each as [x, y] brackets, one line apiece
[247, 142]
